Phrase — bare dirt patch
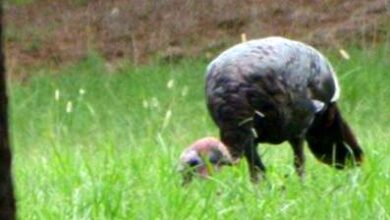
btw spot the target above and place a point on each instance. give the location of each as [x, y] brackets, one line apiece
[51, 33]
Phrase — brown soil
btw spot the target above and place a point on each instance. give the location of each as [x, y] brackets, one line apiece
[49, 32]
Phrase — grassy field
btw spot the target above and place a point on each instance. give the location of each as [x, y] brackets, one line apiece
[91, 142]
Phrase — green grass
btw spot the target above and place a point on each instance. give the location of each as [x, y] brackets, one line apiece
[114, 155]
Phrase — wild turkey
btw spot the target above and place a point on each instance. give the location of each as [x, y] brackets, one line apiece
[273, 90]
[202, 158]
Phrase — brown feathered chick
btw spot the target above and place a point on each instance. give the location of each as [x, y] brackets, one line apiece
[202, 158]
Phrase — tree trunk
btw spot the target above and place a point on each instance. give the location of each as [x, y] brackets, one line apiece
[7, 200]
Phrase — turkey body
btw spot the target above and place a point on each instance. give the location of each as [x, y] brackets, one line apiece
[273, 90]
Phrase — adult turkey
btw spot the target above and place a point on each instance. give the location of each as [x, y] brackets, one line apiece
[273, 90]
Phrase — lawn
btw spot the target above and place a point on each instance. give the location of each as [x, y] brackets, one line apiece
[92, 141]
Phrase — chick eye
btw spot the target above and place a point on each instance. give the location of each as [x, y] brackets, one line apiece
[214, 158]
[193, 162]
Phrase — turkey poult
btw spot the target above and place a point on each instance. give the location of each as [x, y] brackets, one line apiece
[273, 90]
[202, 158]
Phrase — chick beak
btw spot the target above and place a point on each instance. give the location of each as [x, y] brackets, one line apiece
[203, 171]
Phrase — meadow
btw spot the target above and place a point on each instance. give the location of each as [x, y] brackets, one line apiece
[95, 142]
